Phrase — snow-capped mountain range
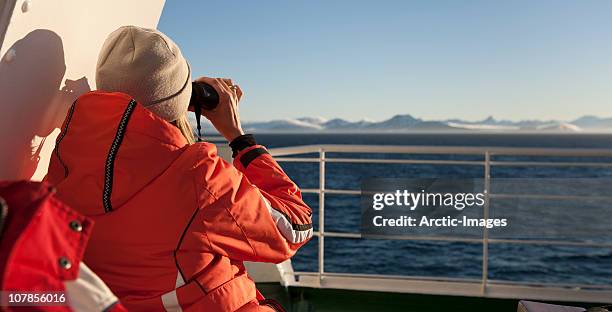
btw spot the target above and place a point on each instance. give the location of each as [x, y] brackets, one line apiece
[408, 123]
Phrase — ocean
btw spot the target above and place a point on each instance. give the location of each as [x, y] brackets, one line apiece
[507, 262]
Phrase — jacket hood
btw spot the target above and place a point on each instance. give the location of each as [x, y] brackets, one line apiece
[115, 146]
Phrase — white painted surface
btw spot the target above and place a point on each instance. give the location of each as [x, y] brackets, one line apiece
[262, 272]
[499, 289]
[52, 42]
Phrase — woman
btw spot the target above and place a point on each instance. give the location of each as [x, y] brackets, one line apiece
[173, 221]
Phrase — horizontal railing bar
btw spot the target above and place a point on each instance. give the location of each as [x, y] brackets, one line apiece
[549, 197]
[354, 235]
[343, 192]
[463, 150]
[452, 279]
[549, 164]
[297, 159]
[384, 276]
[499, 163]
[215, 139]
[549, 242]
[492, 195]
[404, 161]
[401, 237]
[338, 234]
[382, 161]
[310, 191]
[332, 191]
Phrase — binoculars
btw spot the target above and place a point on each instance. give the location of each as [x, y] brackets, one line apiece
[203, 96]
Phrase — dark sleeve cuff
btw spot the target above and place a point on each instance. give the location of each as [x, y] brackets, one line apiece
[242, 142]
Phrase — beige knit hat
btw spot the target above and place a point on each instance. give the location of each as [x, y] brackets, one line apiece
[147, 65]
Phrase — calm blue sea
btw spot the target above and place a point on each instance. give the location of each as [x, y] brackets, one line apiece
[531, 263]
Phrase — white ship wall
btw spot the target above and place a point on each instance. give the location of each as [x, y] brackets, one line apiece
[49, 54]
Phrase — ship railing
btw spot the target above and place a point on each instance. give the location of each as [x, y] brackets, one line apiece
[478, 287]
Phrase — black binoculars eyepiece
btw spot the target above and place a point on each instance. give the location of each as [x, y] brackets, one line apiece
[203, 96]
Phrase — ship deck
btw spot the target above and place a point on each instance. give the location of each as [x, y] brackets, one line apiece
[305, 299]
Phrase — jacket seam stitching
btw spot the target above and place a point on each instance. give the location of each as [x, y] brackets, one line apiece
[243, 232]
[246, 238]
[205, 231]
[197, 199]
[183, 233]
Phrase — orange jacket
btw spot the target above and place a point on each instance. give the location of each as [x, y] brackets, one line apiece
[174, 222]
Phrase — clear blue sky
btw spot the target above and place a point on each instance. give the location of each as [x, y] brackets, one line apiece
[432, 59]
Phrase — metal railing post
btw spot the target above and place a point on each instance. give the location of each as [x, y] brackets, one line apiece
[485, 230]
[321, 213]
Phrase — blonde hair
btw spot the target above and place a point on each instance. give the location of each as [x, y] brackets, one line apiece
[183, 125]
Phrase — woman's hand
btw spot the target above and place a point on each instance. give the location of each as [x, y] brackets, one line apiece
[225, 116]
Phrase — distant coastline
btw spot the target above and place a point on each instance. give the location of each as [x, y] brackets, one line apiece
[410, 124]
